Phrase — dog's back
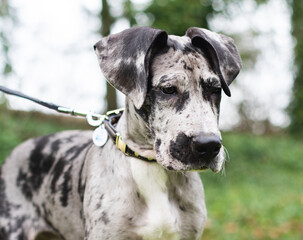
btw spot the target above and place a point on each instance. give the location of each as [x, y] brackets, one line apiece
[37, 180]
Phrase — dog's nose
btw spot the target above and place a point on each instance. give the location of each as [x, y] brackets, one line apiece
[206, 146]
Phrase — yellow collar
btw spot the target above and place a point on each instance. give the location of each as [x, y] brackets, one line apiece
[111, 118]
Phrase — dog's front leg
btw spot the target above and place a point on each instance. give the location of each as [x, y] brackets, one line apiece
[111, 205]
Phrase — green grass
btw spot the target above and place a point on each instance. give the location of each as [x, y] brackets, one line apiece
[260, 196]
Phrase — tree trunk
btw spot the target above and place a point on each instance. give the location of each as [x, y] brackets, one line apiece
[106, 22]
[296, 106]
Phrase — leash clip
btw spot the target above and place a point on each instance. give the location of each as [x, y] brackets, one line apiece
[93, 119]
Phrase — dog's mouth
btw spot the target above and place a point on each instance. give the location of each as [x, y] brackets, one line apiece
[199, 165]
[191, 153]
[214, 167]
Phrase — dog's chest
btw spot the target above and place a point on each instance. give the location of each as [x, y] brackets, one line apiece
[161, 219]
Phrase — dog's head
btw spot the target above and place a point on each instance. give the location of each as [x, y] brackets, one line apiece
[174, 83]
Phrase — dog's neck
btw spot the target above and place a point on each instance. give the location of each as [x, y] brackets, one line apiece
[135, 132]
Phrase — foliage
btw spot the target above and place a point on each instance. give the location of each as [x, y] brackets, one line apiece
[6, 16]
[176, 17]
[259, 197]
[107, 20]
[296, 106]
[129, 12]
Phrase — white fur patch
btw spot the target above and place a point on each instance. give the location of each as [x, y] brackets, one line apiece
[161, 217]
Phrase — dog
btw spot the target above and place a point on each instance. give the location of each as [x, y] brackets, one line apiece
[62, 186]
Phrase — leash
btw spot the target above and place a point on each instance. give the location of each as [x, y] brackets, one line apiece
[106, 123]
[93, 119]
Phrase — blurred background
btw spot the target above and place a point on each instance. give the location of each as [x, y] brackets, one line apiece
[46, 52]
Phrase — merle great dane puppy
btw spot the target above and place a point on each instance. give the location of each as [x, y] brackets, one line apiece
[61, 186]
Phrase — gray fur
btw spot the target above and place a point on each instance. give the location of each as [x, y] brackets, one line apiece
[61, 186]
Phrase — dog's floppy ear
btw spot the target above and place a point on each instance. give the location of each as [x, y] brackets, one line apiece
[223, 54]
[124, 59]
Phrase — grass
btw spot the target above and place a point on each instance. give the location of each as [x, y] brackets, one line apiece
[260, 196]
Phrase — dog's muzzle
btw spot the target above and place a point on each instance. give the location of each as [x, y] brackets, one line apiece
[198, 152]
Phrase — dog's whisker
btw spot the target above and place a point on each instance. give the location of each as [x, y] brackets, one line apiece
[227, 157]
[223, 170]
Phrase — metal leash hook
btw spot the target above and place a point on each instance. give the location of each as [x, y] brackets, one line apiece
[94, 119]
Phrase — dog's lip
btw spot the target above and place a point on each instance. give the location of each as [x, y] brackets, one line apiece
[214, 168]
[203, 168]
[198, 169]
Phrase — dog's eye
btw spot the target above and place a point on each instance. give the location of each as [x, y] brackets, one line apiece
[169, 90]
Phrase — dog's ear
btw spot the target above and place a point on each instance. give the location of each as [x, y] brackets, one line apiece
[124, 59]
[222, 53]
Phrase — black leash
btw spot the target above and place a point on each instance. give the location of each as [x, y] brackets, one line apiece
[93, 119]
[19, 94]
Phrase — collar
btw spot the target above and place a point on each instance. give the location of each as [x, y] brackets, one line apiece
[110, 119]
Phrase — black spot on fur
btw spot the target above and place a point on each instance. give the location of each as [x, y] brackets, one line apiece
[194, 229]
[157, 144]
[186, 67]
[182, 208]
[37, 208]
[182, 101]
[164, 79]
[66, 186]
[25, 186]
[46, 211]
[16, 226]
[81, 183]
[126, 76]
[4, 204]
[21, 235]
[57, 172]
[86, 233]
[180, 149]
[3, 234]
[99, 204]
[40, 164]
[214, 97]
[138, 195]
[143, 112]
[104, 218]
[56, 145]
